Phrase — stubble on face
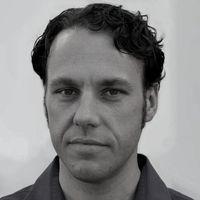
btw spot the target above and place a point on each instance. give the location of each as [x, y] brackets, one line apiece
[73, 61]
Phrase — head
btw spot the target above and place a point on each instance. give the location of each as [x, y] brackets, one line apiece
[130, 33]
[101, 68]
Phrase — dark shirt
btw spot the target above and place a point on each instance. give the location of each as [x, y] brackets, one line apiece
[47, 187]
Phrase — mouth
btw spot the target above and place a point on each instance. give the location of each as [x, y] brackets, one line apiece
[82, 141]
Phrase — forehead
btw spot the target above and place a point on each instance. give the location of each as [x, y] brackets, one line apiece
[80, 53]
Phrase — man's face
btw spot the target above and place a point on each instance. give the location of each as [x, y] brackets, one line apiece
[95, 104]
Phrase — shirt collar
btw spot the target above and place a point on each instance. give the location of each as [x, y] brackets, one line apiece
[150, 185]
[47, 186]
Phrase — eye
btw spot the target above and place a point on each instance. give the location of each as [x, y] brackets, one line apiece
[112, 92]
[68, 92]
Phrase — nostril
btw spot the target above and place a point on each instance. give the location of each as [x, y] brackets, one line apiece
[86, 120]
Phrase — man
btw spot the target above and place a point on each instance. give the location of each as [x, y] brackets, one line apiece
[101, 68]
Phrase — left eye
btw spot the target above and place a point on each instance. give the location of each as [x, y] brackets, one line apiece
[112, 92]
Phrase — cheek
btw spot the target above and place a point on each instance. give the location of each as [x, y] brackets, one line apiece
[127, 120]
[59, 114]
[129, 114]
[59, 121]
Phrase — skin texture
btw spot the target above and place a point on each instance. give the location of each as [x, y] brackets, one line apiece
[95, 105]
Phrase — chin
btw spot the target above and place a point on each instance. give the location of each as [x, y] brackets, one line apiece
[89, 172]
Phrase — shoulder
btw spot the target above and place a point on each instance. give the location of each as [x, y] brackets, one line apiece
[177, 195]
[19, 195]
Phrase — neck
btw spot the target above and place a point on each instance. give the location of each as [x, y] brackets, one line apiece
[121, 186]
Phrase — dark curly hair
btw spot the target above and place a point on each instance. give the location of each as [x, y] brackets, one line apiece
[130, 31]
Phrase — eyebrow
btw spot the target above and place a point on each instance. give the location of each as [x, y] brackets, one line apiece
[63, 81]
[109, 82]
[106, 82]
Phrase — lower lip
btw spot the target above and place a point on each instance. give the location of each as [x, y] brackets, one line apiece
[89, 148]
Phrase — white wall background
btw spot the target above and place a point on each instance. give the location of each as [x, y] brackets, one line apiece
[171, 141]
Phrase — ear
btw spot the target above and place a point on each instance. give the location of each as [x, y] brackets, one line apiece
[151, 98]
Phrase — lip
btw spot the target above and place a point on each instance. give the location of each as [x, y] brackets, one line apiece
[86, 142]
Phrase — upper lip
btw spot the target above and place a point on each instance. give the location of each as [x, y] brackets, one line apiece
[86, 141]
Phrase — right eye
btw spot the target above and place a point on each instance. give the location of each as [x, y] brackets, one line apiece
[68, 92]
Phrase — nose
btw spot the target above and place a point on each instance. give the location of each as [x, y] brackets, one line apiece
[86, 113]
